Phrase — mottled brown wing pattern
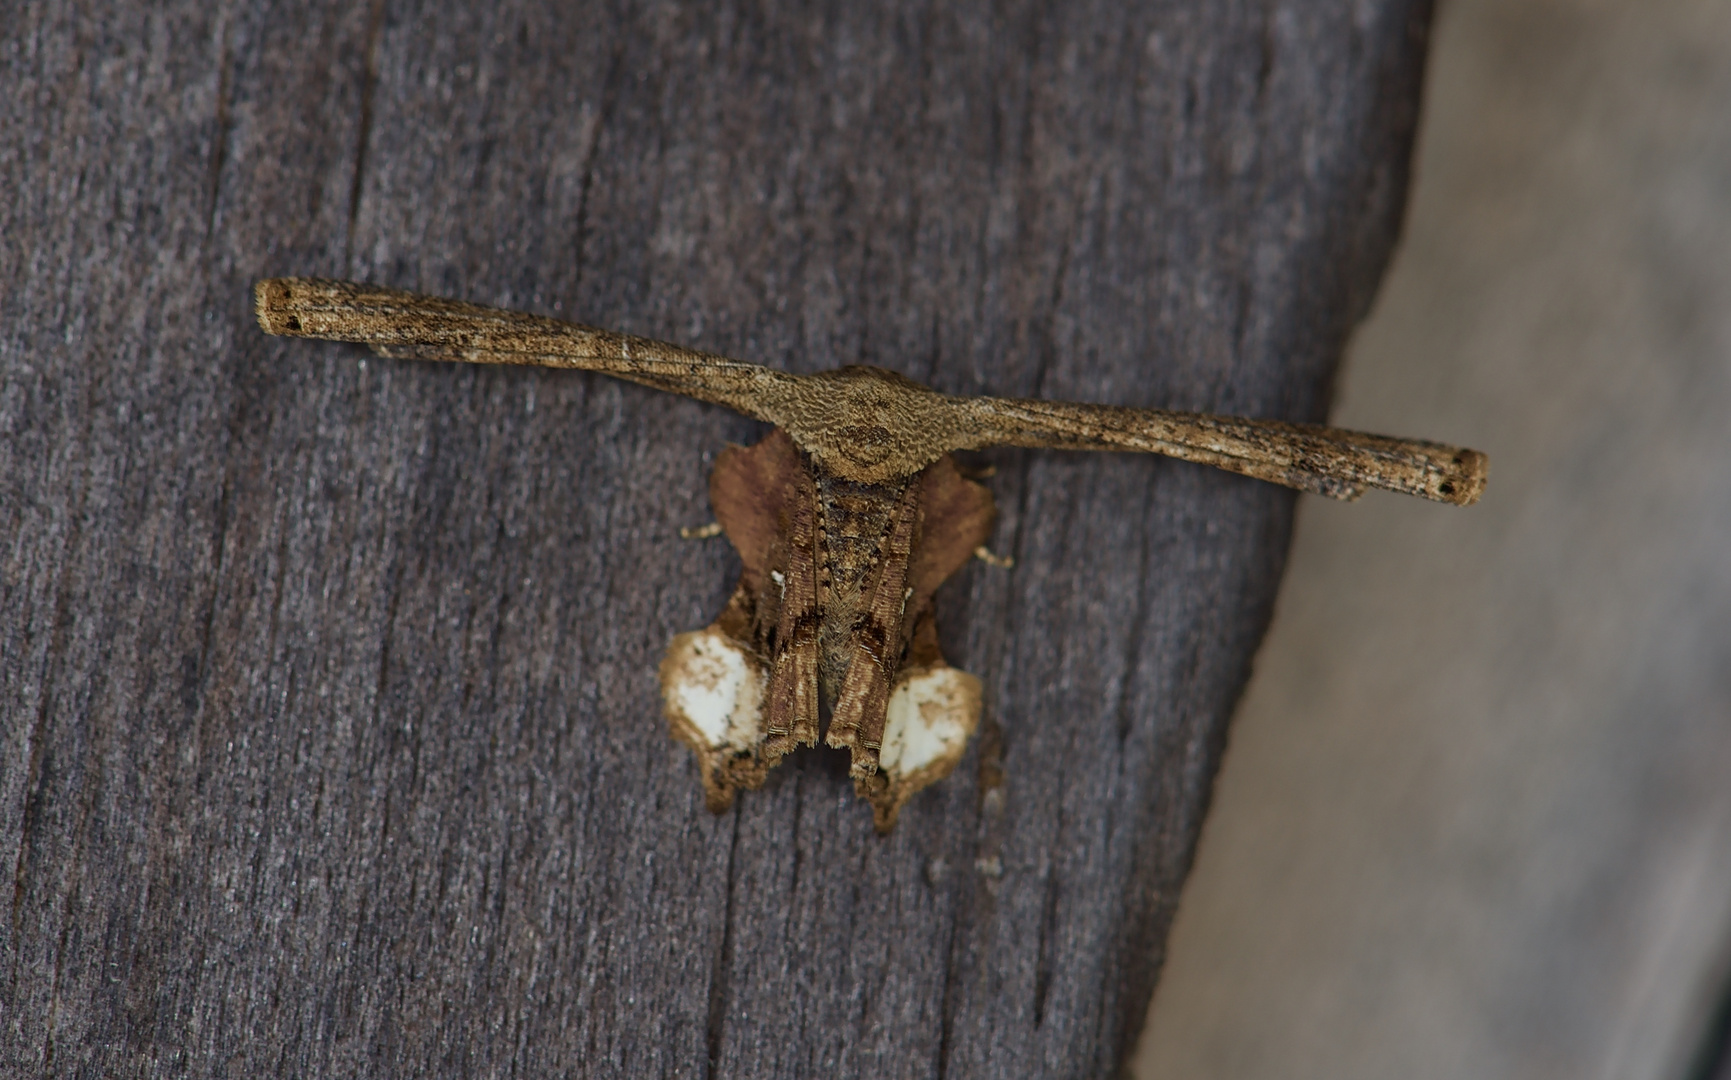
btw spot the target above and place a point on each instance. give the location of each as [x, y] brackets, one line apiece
[792, 591]
[875, 641]
[410, 326]
[1321, 460]
[932, 708]
[744, 691]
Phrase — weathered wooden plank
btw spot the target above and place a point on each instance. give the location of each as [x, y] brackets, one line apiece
[331, 742]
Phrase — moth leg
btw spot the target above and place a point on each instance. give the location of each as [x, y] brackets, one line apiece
[985, 555]
[930, 715]
[701, 532]
[712, 687]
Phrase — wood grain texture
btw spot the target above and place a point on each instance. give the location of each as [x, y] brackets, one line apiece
[331, 742]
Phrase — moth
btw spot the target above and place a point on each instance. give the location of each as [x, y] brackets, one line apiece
[847, 517]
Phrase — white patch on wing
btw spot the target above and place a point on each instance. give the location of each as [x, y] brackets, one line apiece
[715, 687]
[931, 713]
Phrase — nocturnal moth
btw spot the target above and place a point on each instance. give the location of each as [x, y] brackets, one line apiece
[847, 517]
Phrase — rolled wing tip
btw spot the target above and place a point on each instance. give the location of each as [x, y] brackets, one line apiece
[272, 303]
[1464, 482]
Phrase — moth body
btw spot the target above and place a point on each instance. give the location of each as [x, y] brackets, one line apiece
[854, 521]
[847, 518]
[833, 613]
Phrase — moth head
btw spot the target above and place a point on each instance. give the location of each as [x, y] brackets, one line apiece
[867, 424]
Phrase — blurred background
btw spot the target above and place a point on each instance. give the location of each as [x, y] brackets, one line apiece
[1475, 818]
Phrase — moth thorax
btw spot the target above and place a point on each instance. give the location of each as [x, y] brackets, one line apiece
[855, 522]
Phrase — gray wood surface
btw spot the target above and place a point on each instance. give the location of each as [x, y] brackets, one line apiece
[331, 743]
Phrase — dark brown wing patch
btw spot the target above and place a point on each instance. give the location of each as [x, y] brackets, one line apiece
[958, 520]
[749, 490]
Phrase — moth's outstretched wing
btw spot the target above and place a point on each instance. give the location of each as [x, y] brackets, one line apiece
[408, 325]
[1327, 461]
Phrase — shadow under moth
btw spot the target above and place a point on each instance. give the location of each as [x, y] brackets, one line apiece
[847, 517]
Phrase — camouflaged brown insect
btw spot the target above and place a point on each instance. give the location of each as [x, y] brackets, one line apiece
[847, 518]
